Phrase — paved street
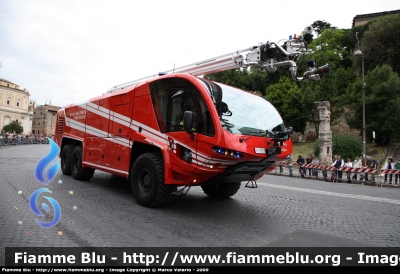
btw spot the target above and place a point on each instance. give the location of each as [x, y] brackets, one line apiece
[282, 211]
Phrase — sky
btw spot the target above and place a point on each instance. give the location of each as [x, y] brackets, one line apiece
[69, 51]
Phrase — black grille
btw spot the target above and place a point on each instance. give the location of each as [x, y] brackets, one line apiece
[60, 125]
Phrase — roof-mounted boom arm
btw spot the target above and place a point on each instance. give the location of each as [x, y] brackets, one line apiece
[267, 57]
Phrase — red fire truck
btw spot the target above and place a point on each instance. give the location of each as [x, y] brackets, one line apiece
[169, 132]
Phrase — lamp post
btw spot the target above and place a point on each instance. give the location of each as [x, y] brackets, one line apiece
[44, 120]
[357, 53]
[48, 102]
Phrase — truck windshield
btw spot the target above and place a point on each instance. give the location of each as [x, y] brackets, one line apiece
[242, 112]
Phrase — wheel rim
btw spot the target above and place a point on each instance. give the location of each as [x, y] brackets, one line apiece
[145, 183]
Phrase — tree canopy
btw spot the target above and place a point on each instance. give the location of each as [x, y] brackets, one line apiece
[342, 87]
[288, 100]
[327, 48]
[321, 25]
[12, 127]
[381, 43]
[382, 104]
[248, 79]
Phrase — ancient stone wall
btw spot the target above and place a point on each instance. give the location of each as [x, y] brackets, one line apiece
[337, 126]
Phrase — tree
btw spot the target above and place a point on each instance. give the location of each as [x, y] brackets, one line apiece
[349, 40]
[381, 42]
[333, 88]
[233, 77]
[382, 104]
[321, 25]
[251, 79]
[13, 126]
[311, 93]
[288, 99]
[327, 48]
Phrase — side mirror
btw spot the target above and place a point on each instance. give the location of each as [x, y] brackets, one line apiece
[188, 122]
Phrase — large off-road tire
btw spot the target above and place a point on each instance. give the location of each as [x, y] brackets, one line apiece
[66, 159]
[147, 181]
[78, 172]
[223, 190]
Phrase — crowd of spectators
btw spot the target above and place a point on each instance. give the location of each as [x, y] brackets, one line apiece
[338, 162]
[21, 139]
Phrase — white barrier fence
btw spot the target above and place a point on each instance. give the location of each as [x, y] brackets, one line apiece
[347, 173]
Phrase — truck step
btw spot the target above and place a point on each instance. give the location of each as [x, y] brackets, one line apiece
[182, 191]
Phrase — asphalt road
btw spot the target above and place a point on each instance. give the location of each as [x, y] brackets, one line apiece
[280, 212]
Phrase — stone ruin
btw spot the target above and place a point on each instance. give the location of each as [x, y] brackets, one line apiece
[325, 133]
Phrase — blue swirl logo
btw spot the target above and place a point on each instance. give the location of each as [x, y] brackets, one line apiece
[45, 178]
[45, 161]
[35, 209]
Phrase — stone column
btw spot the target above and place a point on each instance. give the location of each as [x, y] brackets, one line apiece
[325, 133]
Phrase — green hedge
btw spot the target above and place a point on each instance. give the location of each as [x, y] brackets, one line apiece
[345, 145]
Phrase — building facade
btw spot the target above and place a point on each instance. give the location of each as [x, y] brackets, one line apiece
[362, 19]
[15, 105]
[44, 119]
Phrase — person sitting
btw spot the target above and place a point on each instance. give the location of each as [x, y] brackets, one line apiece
[389, 166]
[315, 162]
[340, 172]
[325, 164]
[363, 175]
[348, 164]
[397, 175]
[308, 162]
[357, 164]
[373, 165]
[290, 164]
[300, 162]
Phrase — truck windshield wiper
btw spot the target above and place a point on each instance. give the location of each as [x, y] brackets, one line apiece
[253, 133]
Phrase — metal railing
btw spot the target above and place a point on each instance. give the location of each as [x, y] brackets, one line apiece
[22, 141]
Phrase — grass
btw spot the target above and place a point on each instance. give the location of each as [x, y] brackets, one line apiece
[304, 149]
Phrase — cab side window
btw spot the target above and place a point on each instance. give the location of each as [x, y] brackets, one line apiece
[206, 125]
[170, 105]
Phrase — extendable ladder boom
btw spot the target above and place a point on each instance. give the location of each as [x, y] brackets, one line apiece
[267, 57]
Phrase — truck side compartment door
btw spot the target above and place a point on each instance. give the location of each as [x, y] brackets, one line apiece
[97, 122]
[118, 147]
